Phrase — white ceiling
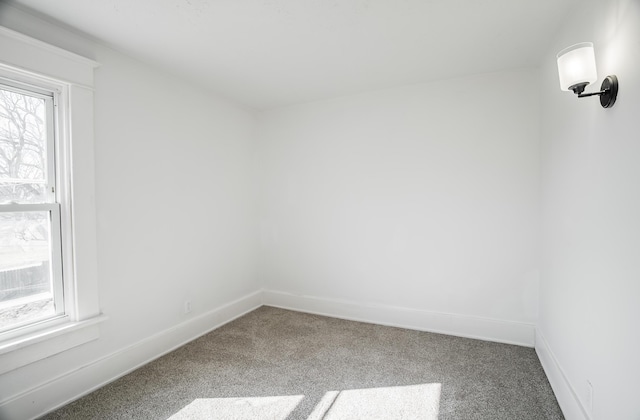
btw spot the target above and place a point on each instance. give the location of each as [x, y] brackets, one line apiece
[266, 53]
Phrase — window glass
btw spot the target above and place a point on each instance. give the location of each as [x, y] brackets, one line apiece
[26, 292]
[23, 148]
[30, 280]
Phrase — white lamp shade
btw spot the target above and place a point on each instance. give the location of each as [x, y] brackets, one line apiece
[577, 64]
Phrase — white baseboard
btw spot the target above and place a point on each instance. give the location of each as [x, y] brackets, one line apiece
[565, 393]
[84, 379]
[509, 332]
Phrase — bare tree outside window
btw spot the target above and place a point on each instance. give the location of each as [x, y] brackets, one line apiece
[25, 275]
[22, 148]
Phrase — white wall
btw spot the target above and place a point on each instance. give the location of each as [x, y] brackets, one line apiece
[174, 183]
[423, 197]
[590, 284]
[176, 212]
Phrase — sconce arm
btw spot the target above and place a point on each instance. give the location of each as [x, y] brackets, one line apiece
[584, 95]
[608, 91]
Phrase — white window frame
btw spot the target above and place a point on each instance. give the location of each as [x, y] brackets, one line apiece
[70, 77]
[53, 190]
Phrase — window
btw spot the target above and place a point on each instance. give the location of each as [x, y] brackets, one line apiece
[31, 283]
[48, 257]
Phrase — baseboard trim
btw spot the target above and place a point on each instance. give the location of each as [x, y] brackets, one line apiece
[84, 379]
[500, 331]
[565, 393]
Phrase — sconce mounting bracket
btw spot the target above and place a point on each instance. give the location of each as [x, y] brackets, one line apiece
[608, 91]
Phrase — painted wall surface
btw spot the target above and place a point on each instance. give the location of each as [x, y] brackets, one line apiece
[174, 198]
[423, 197]
[590, 287]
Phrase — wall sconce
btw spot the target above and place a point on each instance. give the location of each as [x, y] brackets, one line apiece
[577, 69]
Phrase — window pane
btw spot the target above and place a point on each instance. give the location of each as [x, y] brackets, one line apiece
[26, 292]
[23, 148]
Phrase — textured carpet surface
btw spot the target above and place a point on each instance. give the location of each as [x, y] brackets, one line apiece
[278, 364]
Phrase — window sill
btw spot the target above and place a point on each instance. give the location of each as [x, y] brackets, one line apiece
[21, 351]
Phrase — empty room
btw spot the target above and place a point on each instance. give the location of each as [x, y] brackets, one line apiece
[319, 209]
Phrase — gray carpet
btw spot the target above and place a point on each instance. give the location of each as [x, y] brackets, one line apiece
[278, 364]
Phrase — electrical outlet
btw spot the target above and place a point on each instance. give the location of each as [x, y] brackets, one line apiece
[589, 397]
[187, 306]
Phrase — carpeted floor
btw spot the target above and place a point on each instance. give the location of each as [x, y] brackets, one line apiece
[278, 364]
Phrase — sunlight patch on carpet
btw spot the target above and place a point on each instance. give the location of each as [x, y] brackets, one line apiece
[249, 408]
[390, 403]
